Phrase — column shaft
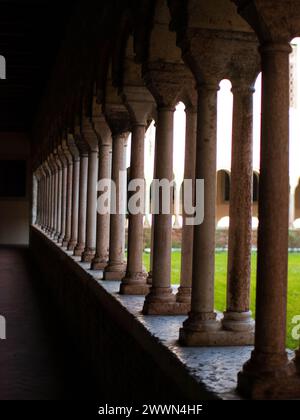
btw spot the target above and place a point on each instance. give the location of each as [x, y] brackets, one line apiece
[102, 242]
[269, 358]
[184, 291]
[161, 292]
[59, 200]
[238, 316]
[134, 281]
[63, 200]
[202, 318]
[116, 266]
[68, 215]
[91, 220]
[82, 205]
[75, 204]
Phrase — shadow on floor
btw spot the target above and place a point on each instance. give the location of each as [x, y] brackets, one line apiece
[38, 361]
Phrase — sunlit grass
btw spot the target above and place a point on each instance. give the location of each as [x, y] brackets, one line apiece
[293, 307]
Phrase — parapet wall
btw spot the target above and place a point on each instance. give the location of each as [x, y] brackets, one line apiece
[128, 361]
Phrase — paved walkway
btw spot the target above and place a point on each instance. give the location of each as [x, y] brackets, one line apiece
[36, 360]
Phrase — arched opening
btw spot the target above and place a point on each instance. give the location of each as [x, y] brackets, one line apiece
[178, 162]
[223, 196]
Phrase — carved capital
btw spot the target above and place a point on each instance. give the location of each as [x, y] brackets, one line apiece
[139, 103]
[166, 82]
[273, 21]
[102, 129]
[72, 146]
[213, 55]
[81, 144]
[89, 135]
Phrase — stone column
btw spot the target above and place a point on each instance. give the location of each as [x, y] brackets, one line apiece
[184, 291]
[237, 317]
[64, 178]
[69, 194]
[161, 299]
[115, 269]
[140, 105]
[91, 139]
[75, 192]
[48, 197]
[201, 324]
[82, 204]
[267, 368]
[100, 260]
[54, 188]
[135, 280]
[58, 198]
[37, 198]
[42, 199]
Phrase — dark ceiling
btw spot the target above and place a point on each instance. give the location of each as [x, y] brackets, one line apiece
[31, 32]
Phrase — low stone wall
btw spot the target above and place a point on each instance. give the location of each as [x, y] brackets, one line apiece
[128, 363]
[222, 238]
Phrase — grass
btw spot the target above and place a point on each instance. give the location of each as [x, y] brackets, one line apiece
[293, 307]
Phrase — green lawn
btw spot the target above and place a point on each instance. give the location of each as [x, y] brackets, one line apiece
[220, 285]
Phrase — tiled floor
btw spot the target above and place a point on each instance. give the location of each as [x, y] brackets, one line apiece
[36, 360]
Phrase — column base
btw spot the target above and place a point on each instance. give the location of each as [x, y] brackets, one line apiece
[115, 271]
[149, 278]
[65, 243]
[282, 385]
[205, 330]
[134, 289]
[99, 263]
[71, 245]
[113, 275]
[184, 295]
[78, 250]
[162, 301]
[56, 236]
[134, 284]
[238, 322]
[212, 338]
[88, 255]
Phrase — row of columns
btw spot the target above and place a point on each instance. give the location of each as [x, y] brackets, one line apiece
[67, 201]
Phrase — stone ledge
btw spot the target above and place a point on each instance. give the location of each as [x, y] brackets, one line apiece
[199, 372]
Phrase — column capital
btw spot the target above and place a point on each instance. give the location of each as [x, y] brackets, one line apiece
[89, 135]
[139, 103]
[81, 145]
[275, 22]
[115, 111]
[62, 156]
[71, 143]
[166, 82]
[213, 54]
[66, 151]
[102, 129]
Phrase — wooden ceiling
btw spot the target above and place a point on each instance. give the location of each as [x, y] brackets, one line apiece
[30, 34]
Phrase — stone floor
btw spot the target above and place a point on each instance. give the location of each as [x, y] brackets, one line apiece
[36, 360]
